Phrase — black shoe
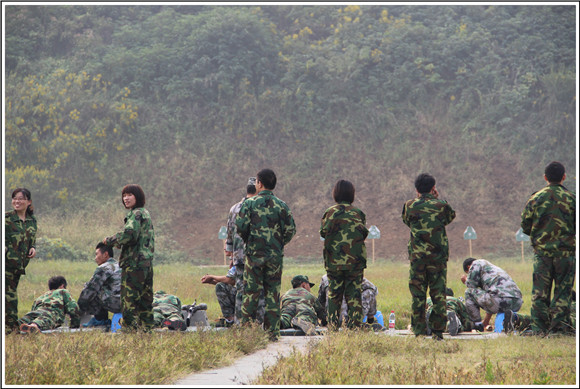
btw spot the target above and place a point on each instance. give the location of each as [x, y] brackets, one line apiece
[478, 327]
[509, 318]
[437, 336]
[453, 323]
[175, 325]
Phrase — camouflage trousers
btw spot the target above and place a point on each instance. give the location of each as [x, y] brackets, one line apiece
[11, 280]
[461, 311]
[476, 299]
[345, 284]
[428, 274]
[137, 298]
[554, 315]
[240, 296]
[164, 312]
[290, 312]
[226, 296]
[45, 319]
[263, 276]
[522, 322]
[96, 306]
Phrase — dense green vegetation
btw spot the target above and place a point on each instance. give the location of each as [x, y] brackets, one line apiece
[190, 100]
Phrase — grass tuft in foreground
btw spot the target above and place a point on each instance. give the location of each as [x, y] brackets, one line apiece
[362, 358]
[97, 358]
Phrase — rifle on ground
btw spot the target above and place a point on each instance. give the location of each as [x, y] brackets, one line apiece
[193, 308]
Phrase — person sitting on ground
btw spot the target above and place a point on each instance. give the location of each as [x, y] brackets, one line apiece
[457, 317]
[49, 310]
[369, 299]
[300, 308]
[490, 288]
[225, 290]
[102, 294]
[167, 311]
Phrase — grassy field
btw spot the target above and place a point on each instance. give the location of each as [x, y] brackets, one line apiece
[161, 358]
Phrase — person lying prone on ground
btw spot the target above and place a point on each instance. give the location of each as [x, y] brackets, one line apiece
[49, 310]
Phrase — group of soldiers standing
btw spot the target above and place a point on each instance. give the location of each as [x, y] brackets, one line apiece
[259, 227]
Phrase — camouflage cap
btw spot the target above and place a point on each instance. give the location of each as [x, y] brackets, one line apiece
[297, 280]
[252, 181]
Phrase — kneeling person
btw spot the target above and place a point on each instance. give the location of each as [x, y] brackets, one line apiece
[167, 311]
[49, 310]
[489, 288]
[300, 308]
[102, 294]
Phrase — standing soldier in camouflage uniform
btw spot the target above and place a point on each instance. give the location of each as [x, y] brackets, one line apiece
[225, 291]
[136, 241]
[167, 311]
[490, 288]
[345, 255]
[49, 310]
[426, 216]
[300, 308]
[102, 294]
[368, 295]
[549, 218]
[19, 241]
[234, 248]
[266, 225]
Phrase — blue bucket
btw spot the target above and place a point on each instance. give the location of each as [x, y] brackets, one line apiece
[115, 325]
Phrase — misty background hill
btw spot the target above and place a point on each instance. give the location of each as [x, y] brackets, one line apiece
[190, 100]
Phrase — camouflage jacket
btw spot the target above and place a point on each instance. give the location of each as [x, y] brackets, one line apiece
[344, 232]
[549, 218]
[58, 303]
[300, 300]
[266, 225]
[19, 238]
[427, 217]
[234, 242]
[137, 240]
[369, 298]
[105, 285]
[166, 303]
[494, 280]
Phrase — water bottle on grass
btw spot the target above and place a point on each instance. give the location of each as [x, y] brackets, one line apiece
[392, 323]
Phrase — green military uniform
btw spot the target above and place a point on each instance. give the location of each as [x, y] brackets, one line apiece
[300, 303]
[549, 218]
[454, 304]
[136, 261]
[19, 238]
[428, 247]
[266, 225]
[369, 294]
[166, 307]
[49, 310]
[345, 258]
